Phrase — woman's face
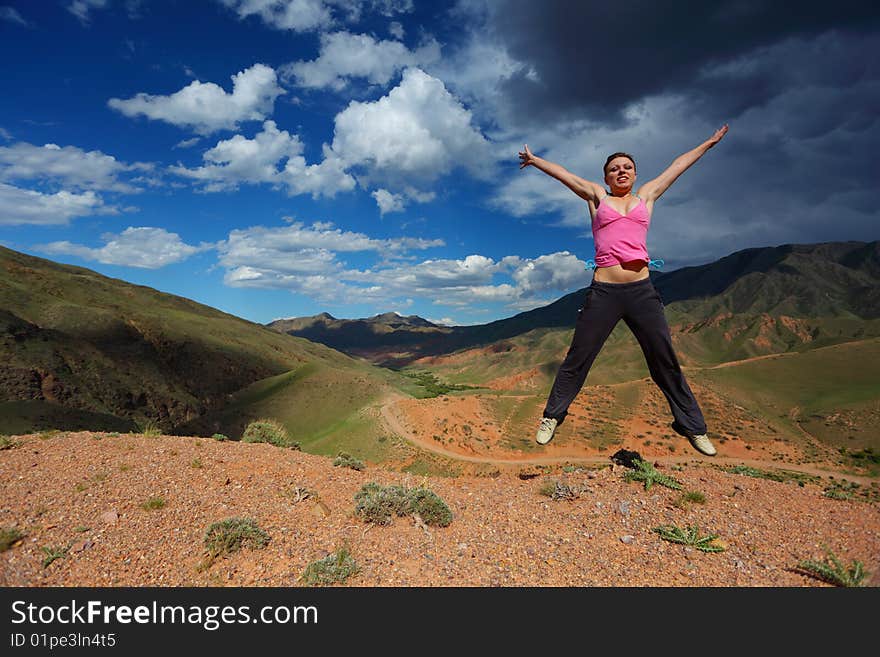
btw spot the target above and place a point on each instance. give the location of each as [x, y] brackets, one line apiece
[620, 173]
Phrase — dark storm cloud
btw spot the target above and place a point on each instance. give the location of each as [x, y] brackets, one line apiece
[591, 60]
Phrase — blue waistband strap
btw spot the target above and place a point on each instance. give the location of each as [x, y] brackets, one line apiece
[658, 263]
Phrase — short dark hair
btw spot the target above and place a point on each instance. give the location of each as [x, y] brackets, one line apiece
[619, 154]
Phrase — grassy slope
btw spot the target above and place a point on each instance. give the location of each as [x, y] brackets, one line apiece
[819, 383]
[74, 341]
[324, 408]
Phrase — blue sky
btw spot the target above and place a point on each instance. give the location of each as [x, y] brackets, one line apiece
[280, 158]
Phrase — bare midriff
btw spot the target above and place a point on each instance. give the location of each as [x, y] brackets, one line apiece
[623, 273]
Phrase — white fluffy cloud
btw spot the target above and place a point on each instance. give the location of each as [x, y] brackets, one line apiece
[281, 247]
[344, 55]
[412, 136]
[309, 15]
[388, 202]
[24, 206]
[81, 8]
[556, 271]
[396, 30]
[274, 157]
[69, 165]
[296, 15]
[143, 247]
[304, 260]
[11, 15]
[418, 131]
[206, 107]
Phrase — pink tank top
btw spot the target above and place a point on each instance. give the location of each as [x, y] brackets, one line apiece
[619, 237]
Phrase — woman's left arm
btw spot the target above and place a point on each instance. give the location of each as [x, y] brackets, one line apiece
[653, 189]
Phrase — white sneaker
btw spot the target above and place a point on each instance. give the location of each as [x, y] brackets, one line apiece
[546, 430]
[702, 444]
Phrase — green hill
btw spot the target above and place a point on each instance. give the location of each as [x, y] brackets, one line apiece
[82, 350]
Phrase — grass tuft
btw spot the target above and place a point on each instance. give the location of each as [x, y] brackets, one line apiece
[8, 443]
[690, 497]
[9, 536]
[153, 503]
[150, 429]
[347, 461]
[335, 568]
[778, 475]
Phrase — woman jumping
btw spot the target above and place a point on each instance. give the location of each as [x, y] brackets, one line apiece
[622, 289]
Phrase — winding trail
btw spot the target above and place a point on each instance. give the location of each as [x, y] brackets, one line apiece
[394, 424]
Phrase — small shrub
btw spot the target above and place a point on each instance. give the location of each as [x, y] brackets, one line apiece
[150, 429]
[832, 571]
[267, 431]
[347, 461]
[53, 553]
[220, 437]
[8, 443]
[196, 463]
[333, 569]
[689, 536]
[230, 535]
[153, 503]
[430, 507]
[377, 504]
[8, 537]
[644, 471]
[557, 490]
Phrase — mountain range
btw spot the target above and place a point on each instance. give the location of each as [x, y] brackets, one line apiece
[85, 351]
[824, 291]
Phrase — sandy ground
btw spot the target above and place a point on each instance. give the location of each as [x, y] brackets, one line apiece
[85, 493]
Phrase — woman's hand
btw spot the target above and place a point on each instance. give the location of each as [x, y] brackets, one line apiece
[526, 156]
[719, 134]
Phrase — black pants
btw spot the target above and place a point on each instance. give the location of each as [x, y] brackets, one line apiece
[640, 306]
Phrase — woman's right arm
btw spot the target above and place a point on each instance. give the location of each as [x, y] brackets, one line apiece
[589, 191]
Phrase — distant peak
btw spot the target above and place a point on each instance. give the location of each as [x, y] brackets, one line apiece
[396, 318]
